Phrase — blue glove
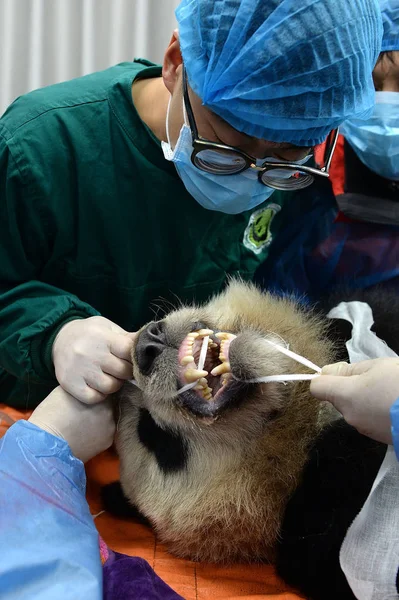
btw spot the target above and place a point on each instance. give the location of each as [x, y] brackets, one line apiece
[48, 543]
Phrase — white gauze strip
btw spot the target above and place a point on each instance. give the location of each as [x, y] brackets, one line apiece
[200, 367]
[288, 376]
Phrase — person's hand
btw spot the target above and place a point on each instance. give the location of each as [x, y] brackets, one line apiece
[92, 358]
[88, 429]
[363, 393]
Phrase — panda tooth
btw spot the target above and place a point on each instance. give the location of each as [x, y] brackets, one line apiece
[192, 335]
[221, 369]
[192, 375]
[221, 335]
[203, 382]
[186, 360]
[224, 335]
[225, 378]
[204, 332]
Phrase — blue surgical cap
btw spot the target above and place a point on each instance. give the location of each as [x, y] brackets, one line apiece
[282, 70]
[390, 20]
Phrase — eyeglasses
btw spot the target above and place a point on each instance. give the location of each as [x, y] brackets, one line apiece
[221, 159]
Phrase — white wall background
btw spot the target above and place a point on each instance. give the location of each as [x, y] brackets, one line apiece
[47, 41]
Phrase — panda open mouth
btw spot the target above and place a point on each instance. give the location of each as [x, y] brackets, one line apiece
[216, 373]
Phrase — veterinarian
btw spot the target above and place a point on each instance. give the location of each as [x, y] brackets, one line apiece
[349, 224]
[139, 184]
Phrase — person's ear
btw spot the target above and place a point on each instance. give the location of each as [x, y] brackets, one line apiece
[172, 62]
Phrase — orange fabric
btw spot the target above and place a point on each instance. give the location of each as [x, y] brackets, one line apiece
[337, 168]
[337, 172]
[191, 580]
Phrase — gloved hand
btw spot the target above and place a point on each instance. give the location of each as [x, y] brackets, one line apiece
[88, 429]
[92, 358]
[363, 393]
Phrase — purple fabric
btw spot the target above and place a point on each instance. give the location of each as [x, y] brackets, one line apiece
[132, 578]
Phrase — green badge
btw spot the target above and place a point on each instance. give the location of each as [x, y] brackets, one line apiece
[258, 234]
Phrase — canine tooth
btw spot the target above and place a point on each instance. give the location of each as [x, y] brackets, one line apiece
[186, 360]
[192, 335]
[213, 345]
[204, 332]
[192, 375]
[225, 378]
[222, 335]
[221, 369]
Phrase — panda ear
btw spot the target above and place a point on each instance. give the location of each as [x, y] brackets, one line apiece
[115, 502]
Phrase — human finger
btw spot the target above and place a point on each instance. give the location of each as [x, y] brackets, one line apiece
[338, 390]
[345, 369]
[83, 392]
[117, 367]
[121, 346]
[103, 383]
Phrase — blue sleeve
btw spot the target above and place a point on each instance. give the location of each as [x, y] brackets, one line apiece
[395, 426]
[48, 542]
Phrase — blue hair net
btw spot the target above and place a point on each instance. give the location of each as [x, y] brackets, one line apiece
[282, 70]
[390, 20]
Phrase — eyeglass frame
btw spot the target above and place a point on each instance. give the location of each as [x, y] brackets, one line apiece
[200, 144]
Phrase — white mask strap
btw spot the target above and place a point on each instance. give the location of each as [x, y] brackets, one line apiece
[185, 114]
[168, 114]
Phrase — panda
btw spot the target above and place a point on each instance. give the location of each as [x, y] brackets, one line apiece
[234, 470]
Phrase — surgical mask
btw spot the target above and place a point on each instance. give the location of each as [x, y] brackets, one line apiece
[230, 194]
[376, 141]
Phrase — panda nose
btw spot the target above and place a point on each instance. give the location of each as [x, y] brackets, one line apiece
[150, 345]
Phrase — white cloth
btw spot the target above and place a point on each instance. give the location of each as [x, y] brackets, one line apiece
[369, 556]
[364, 343]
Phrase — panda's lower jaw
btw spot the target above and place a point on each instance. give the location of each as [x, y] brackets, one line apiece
[230, 395]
